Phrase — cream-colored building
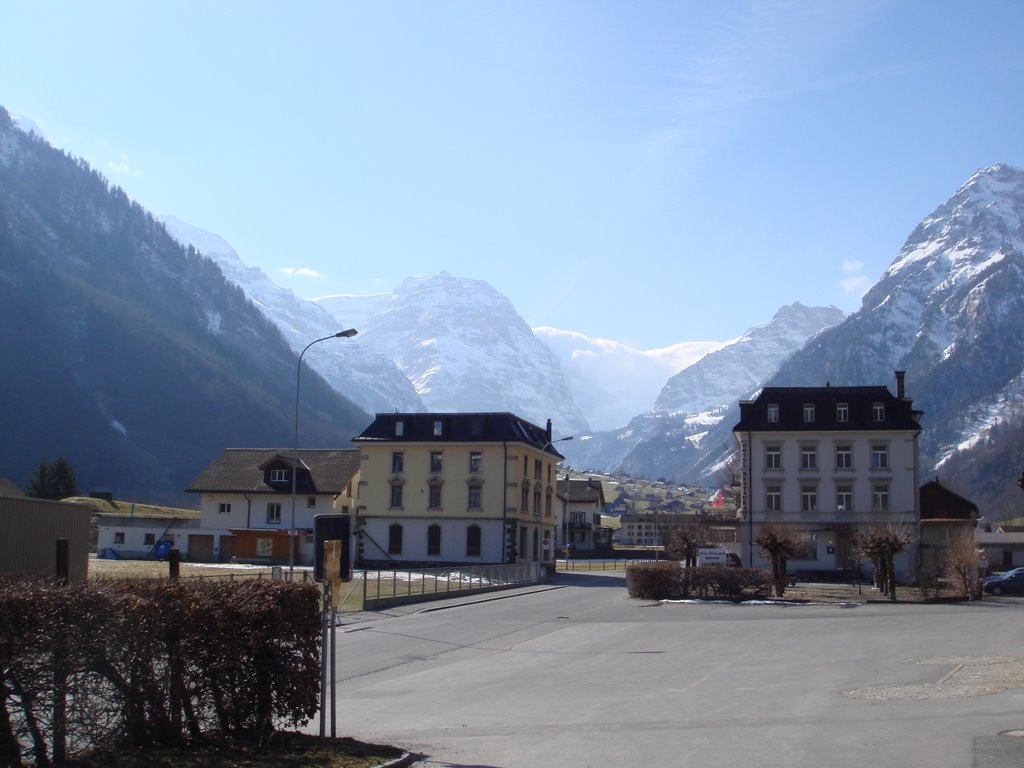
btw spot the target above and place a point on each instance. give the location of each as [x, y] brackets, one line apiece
[455, 488]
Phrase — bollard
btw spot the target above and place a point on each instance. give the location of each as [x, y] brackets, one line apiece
[174, 563]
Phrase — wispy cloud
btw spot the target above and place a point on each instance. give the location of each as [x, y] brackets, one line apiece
[122, 166]
[855, 282]
[301, 272]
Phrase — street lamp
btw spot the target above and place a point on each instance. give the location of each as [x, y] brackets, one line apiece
[348, 334]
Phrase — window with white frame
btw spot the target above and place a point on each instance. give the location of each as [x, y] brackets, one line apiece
[773, 457]
[273, 512]
[399, 428]
[278, 475]
[880, 498]
[224, 508]
[438, 428]
[773, 498]
[476, 459]
[808, 457]
[436, 461]
[878, 411]
[879, 457]
[396, 496]
[844, 457]
[397, 462]
[435, 496]
[808, 413]
[773, 413]
[844, 498]
[476, 495]
[808, 498]
[842, 413]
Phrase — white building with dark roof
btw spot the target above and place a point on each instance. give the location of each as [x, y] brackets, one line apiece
[828, 460]
[246, 502]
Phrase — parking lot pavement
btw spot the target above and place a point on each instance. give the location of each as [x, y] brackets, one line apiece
[579, 674]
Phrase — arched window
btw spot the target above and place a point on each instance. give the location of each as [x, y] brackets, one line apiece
[473, 538]
[434, 539]
[395, 539]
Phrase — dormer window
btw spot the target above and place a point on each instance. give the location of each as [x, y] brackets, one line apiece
[878, 411]
[808, 413]
[773, 413]
[842, 413]
[399, 428]
[438, 428]
[278, 475]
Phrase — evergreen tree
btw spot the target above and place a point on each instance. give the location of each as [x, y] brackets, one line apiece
[64, 481]
[56, 481]
[41, 484]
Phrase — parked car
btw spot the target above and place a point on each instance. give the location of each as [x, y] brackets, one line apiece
[1004, 574]
[1009, 583]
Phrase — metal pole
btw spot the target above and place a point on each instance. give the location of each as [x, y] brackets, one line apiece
[295, 445]
[323, 658]
[334, 698]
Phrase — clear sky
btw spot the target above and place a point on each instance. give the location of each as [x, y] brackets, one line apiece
[648, 172]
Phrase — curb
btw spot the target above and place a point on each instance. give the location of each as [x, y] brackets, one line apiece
[405, 760]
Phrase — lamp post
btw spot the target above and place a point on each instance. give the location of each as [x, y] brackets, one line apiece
[348, 334]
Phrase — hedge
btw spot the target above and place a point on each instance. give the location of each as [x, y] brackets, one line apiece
[669, 580]
[134, 663]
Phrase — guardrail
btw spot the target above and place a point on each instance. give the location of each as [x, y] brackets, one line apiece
[382, 589]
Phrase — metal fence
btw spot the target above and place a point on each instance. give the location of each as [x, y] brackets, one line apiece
[586, 564]
[396, 587]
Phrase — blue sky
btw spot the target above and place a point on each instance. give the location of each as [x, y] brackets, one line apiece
[647, 172]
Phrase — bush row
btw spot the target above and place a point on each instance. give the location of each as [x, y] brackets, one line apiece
[133, 663]
[669, 580]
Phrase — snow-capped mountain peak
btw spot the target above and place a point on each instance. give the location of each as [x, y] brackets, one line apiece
[356, 370]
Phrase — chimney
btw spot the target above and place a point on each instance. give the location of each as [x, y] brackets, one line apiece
[549, 430]
[901, 388]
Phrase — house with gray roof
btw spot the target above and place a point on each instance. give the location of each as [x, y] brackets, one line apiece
[247, 510]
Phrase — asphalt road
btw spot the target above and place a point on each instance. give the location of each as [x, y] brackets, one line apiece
[575, 673]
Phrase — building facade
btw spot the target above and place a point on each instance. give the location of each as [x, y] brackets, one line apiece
[826, 461]
[452, 488]
[579, 514]
[246, 499]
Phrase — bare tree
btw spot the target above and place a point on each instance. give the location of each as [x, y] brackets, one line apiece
[881, 543]
[962, 559]
[779, 544]
[687, 539]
